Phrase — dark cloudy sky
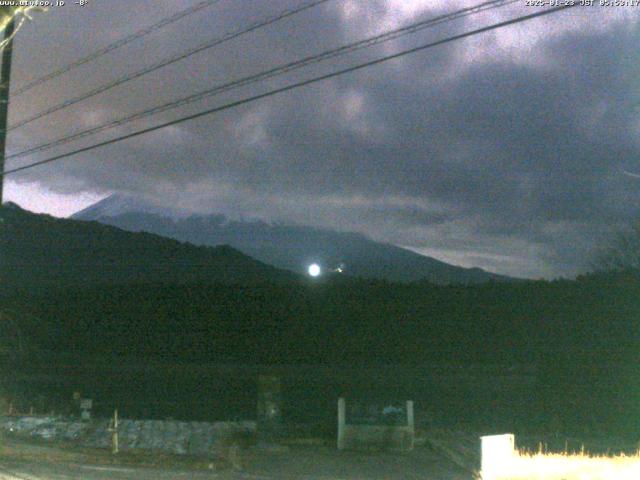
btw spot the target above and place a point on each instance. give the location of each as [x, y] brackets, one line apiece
[503, 151]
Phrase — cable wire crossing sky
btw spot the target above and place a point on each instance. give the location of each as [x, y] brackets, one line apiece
[447, 128]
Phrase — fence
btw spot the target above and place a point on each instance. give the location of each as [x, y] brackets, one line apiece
[469, 398]
[193, 438]
[392, 435]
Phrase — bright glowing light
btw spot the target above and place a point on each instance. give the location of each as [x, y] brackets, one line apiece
[314, 270]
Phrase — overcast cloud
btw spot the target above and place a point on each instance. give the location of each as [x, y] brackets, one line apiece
[503, 151]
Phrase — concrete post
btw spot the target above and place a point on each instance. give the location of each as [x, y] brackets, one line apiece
[410, 424]
[113, 428]
[410, 420]
[342, 416]
[497, 454]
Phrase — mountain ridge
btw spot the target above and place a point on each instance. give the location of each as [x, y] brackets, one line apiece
[290, 247]
[41, 251]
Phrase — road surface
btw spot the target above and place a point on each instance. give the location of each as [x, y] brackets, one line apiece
[303, 463]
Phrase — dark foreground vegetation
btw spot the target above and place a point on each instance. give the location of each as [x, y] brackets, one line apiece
[581, 337]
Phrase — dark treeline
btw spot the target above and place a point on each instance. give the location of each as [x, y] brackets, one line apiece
[341, 320]
[582, 335]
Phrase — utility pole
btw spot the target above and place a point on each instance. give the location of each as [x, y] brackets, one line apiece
[5, 81]
[4, 106]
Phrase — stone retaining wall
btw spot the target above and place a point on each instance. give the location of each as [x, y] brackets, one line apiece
[193, 438]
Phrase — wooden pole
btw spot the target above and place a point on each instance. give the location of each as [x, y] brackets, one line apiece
[342, 414]
[114, 432]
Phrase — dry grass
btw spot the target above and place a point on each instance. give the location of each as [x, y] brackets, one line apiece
[546, 466]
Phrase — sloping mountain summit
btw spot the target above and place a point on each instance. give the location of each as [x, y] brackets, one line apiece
[290, 247]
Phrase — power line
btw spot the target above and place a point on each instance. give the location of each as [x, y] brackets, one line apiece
[273, 72]
[115, 45]
[168, 61]
[293, 86]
